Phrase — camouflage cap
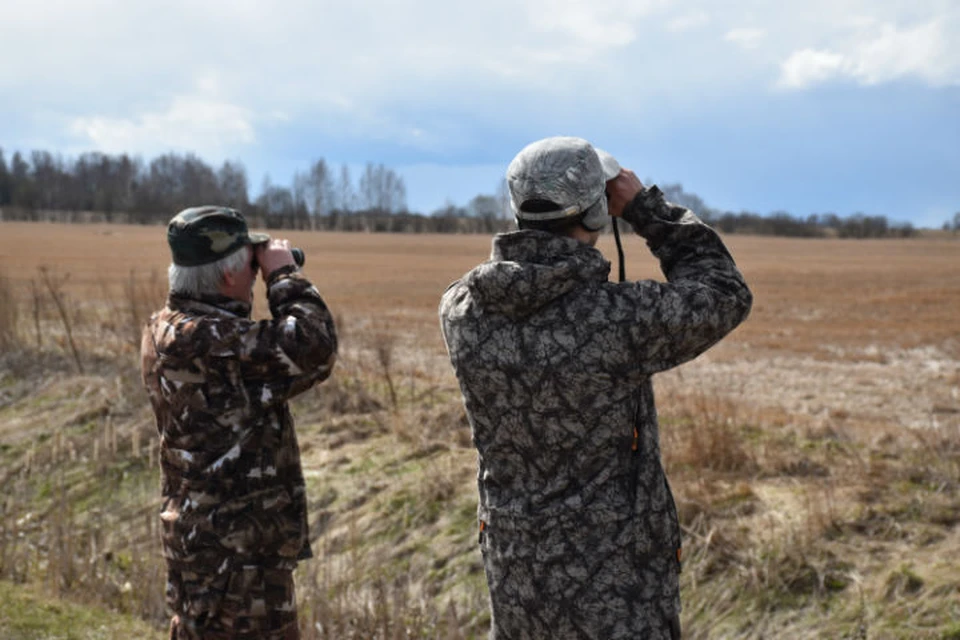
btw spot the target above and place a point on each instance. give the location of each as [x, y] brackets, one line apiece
[201, 235]
[564, 171]
[611, 168]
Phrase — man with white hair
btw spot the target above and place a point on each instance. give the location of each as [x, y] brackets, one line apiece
[234, 512]
[578, 528]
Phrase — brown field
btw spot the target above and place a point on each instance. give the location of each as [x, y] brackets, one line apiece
[810, 294]
[875, 322]
[815, 453]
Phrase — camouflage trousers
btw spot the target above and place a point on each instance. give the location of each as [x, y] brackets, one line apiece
[251, 602]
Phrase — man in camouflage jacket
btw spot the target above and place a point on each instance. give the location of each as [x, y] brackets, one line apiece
[234, 505]
[578, 528]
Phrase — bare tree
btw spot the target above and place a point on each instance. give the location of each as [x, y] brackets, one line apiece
[319, 191]
[233, 185]
[298, 192]
[382, 190]
[278, 205]
[487, 210]
[5, 187]
[503, 200]
[346, 196]
[23, 191]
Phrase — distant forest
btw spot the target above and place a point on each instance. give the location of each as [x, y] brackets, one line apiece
[98, 187]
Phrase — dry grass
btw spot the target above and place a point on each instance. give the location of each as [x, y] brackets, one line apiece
[815, 454]
[9, 314]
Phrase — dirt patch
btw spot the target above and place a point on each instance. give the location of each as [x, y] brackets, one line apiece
[913, 388]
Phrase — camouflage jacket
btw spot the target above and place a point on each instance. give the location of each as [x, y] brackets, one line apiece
[232, 485]
[579, 531]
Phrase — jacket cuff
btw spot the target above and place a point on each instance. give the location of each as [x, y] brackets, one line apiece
[646, 207]
[276, 274]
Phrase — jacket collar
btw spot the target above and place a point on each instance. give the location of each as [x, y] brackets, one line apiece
[530, 269]
[208, 304]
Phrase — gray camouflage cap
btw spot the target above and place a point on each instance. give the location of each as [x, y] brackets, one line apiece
[201, 235]
[561, 171]
[611, 168]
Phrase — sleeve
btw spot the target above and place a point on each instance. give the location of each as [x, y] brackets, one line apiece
[704, 298]
[297, 347]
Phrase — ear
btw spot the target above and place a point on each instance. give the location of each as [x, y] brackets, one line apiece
[229, 278]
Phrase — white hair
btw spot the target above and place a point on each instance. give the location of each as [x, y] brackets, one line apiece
[206, 278]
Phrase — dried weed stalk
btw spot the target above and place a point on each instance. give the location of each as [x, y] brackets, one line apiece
[9, 314]
[54, 285]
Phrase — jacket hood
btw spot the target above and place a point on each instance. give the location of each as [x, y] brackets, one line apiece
[529, 269]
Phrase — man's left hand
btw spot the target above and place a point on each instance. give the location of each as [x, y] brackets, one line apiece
[621, 191]
[274, 255]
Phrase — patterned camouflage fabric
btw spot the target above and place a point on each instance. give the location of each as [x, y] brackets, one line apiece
[252, 602]
[564, 171]
[201, 235]
[578, 528]
[234, 504]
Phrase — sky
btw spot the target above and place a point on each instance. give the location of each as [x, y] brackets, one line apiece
[840, 106]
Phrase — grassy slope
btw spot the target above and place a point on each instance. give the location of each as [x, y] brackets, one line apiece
[790, 531]
[26, 614]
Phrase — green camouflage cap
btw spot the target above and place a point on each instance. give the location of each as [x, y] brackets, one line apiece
[563, 171]
[201, 235]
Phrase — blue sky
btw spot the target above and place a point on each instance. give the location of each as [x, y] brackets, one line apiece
[825, 105]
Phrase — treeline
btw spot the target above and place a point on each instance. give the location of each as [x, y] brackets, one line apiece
[123, 187]
[120, 188]
[781, 223]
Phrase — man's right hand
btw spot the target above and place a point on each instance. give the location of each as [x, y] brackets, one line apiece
[273, 255]
[621, 191]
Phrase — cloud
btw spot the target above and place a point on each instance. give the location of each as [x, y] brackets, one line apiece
[593, 24]
[920, 51]
[746, 37]
[191, 123]
[432, 76]
[688, 21]
[877, 54]
[809, 67]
